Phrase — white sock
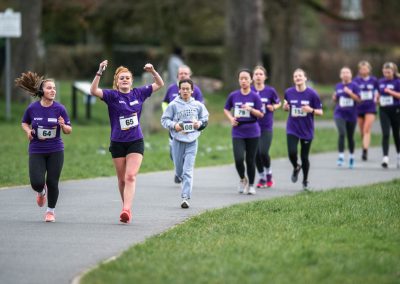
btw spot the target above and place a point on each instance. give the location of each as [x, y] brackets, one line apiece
[50, 210]
[43, 192]
[268, 171]
[351, 156]
[261, 175]
[341, 155]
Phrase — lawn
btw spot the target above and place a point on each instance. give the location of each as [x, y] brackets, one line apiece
[338, 236]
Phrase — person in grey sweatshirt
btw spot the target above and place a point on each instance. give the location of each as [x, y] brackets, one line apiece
[185, 118]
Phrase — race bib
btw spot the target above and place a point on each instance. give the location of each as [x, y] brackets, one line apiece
[346, 102]
[366, 95]
[188, 127]
[241, 112]
[297, 111]
[46, 133]
[128, 122]
[386, 100]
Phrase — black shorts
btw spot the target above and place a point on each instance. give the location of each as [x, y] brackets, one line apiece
[122, 149]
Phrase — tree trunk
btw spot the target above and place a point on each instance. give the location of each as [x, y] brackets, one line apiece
[283, 23]
[244, 20]
[25, 49]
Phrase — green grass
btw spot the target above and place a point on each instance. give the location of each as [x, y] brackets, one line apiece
[339, 236]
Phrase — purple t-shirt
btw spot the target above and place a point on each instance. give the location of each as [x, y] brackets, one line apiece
[299, 123]
[124, 111]
[346, 107]
[173, 92]
[248, 126]
[386, 100]
[46, 130]
[268, 96]
[368, 88]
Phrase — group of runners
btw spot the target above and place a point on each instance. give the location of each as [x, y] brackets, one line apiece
[249, 109]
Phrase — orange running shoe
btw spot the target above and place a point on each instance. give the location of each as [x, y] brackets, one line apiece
[41, 199]
[125, 216]
[49, 217]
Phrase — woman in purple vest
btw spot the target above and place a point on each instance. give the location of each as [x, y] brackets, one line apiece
[389, 110]
[346, 97]
[366, 109]
[302, 103]
[246, 107]
[43, 122]
[124, 109]
[270, 102]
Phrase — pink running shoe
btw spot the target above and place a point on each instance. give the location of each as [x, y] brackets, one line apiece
[261, 183]
[41, 199]
[270, 181]
[125, 216]
[49, 217]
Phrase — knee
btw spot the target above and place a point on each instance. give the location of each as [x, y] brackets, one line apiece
[37, 186]
[131, 178]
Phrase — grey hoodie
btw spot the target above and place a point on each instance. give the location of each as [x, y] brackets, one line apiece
[179, 111]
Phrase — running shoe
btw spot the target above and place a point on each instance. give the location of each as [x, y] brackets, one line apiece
[242, 185]
[125, 216]
[41, 199]
[306, 186]
[385, 162]
[295, 173]
[49, 217]
[364, 155]
[251, 190]
[177, 179]
[270, 181]
[340, 162]
[261, 183]
[184, 204]
[351, 163]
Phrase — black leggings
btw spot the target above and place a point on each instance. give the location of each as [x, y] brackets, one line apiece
[345, 128]
[262, 158]
[240, 147]
[292, 142]
[51, 163]
[390, 116]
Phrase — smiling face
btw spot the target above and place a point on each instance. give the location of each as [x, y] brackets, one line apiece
[299, 78]
[388, 73]
[124, 81]
[185, 91]
[49, 90]
[345, 74]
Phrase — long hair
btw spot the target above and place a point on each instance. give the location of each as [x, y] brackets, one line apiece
[393, 67]
[32, 83]
[119, 70]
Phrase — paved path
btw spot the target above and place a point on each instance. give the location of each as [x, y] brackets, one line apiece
[87, 230]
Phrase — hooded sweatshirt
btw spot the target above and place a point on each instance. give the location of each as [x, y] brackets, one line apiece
[184, 113]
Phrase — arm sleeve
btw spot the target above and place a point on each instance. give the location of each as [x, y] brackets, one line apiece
[167, 117]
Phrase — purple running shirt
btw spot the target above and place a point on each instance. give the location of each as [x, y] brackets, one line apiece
[173, 92]
[368, 88]
[386, 100]
[346, 107]
[268, 96]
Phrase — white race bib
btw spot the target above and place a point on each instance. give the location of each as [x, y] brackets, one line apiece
[128, 122]
[241, 112]
[346, 102]
[188, 127]
[366, 95]
[297, 111]
[386, 100]
[46, 133]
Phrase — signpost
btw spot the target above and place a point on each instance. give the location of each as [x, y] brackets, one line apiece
[10, 26]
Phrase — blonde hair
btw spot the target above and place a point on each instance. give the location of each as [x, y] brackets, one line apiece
[364, 63]
[300, 70]
[32, 83]
[393, 67]
[262, 68]
[120, 69]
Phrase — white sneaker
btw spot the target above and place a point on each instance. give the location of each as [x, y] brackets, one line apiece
[385, 162]
[243, 186]
[252, 190]
[185, 204]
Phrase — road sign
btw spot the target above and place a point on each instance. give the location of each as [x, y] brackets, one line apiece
[10, 24]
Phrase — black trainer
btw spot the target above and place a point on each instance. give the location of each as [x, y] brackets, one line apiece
[295, 173]
[305, 186]
[364, 155]
[177, 179]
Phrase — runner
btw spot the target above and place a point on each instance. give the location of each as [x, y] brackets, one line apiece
[366, 109]
[246, 106]
[270, 103]
[389, 110]
[185, 118]
[302, 103]
[346, 97]
[127, 145]
[42, 122]
[184, 72]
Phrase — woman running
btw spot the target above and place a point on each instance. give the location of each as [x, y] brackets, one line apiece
[127, 145]
[346, 97]
[246, 106]
[43, 122]
[389, 110]
[302, 103]
[270, 103]
[366, 109]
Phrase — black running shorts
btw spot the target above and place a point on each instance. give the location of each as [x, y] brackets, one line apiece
[122, 149]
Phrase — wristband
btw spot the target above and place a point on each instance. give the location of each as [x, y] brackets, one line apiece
[99, 74]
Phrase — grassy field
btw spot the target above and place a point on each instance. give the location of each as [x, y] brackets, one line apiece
[339, 236]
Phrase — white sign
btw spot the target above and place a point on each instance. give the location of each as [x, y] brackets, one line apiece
[10, 24]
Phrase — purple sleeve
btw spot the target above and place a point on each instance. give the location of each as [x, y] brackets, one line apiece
[316, 101]
[64, 115]
[107, 95]
[228, 104]
[198, 96]
[257, 102]
[275, 97]
[356, 90]
[26, 118]
[145, 92]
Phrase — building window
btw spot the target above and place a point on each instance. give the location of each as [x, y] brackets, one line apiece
[351, 9]
[349, 40]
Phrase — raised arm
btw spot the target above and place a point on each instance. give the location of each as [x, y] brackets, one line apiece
[94, 88]
[158, 81]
